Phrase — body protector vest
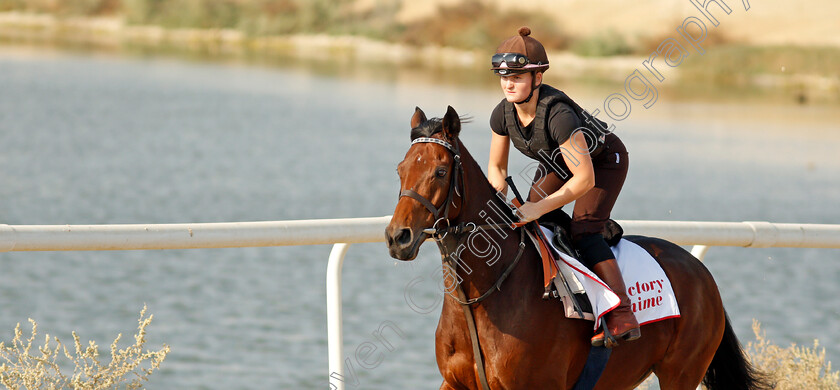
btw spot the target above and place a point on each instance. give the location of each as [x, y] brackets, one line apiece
[542, 146]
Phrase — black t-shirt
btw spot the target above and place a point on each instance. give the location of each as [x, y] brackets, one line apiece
[562, 122]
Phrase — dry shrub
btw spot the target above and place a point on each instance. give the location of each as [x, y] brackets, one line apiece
[793, 367]
[24, 368]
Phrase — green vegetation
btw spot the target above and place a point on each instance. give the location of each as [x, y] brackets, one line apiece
[801, 74]
[63, 8]
[259, 30]
[609, 43]
[23, 368]
[258, 17]
[735, 64]
[473, 24]
[467, 25]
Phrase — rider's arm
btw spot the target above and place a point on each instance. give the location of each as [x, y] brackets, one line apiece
[498, 165]
[583, 179]
[576, 155]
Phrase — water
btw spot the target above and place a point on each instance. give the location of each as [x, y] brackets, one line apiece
[101, 139]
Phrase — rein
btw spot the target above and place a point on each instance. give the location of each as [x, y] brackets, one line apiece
[440, 233]
[496, 286]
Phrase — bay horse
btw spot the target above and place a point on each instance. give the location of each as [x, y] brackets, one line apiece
[526, 342]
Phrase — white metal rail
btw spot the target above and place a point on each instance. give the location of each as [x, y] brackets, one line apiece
[190, 235]
[343, 232]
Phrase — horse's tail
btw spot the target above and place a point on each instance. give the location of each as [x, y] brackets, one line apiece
[730, 368]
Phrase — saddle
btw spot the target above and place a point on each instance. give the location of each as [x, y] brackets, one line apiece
[560, 223]
[561, 282]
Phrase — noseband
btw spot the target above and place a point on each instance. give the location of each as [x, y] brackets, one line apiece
[440, 213]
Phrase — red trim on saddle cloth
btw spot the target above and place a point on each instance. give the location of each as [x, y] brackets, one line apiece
[607, 311]
[586, 275]
[659, 319]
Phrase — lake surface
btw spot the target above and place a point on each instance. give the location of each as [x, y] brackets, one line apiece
[98, 139]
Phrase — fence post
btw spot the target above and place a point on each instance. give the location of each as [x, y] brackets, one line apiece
[335, 338]
[699, 251]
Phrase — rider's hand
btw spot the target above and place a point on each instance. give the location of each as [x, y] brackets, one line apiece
[530, 211]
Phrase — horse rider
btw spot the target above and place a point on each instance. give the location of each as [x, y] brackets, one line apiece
[579, 160]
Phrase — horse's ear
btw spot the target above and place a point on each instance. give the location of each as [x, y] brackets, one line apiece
[451, 123]
[418, 117]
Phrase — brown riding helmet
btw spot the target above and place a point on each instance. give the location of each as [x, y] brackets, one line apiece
[520, 54]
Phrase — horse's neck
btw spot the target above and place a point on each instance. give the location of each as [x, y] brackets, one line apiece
[485, 253]
[480, 202]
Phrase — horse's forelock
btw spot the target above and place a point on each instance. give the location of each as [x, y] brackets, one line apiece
[427, 128]
[433, 126]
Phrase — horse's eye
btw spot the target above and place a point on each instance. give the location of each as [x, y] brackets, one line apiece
[441, 172]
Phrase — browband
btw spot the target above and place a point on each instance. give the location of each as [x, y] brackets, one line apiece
[435, 141]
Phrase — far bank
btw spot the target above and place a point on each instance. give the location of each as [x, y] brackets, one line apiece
[673, 66]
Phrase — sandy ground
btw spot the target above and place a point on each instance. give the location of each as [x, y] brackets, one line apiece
[810, 22]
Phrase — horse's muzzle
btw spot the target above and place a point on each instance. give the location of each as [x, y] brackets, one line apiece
[403, 242]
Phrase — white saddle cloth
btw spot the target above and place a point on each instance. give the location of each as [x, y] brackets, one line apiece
[648, 288]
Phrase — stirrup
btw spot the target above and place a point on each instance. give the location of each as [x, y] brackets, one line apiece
[605, 336]
[608, 339]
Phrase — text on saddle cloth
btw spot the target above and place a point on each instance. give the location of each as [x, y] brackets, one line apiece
[649, 289]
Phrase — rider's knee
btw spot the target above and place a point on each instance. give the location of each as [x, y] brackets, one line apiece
[593, 249]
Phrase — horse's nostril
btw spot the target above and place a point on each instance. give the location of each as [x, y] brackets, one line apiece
[404, 237]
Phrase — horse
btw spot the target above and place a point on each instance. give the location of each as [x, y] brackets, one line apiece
[524, 341]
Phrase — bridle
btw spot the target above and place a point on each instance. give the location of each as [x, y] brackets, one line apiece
[442, 226]
[441, 214]
[439, 233]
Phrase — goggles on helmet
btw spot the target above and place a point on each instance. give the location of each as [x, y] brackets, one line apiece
[511, 60]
